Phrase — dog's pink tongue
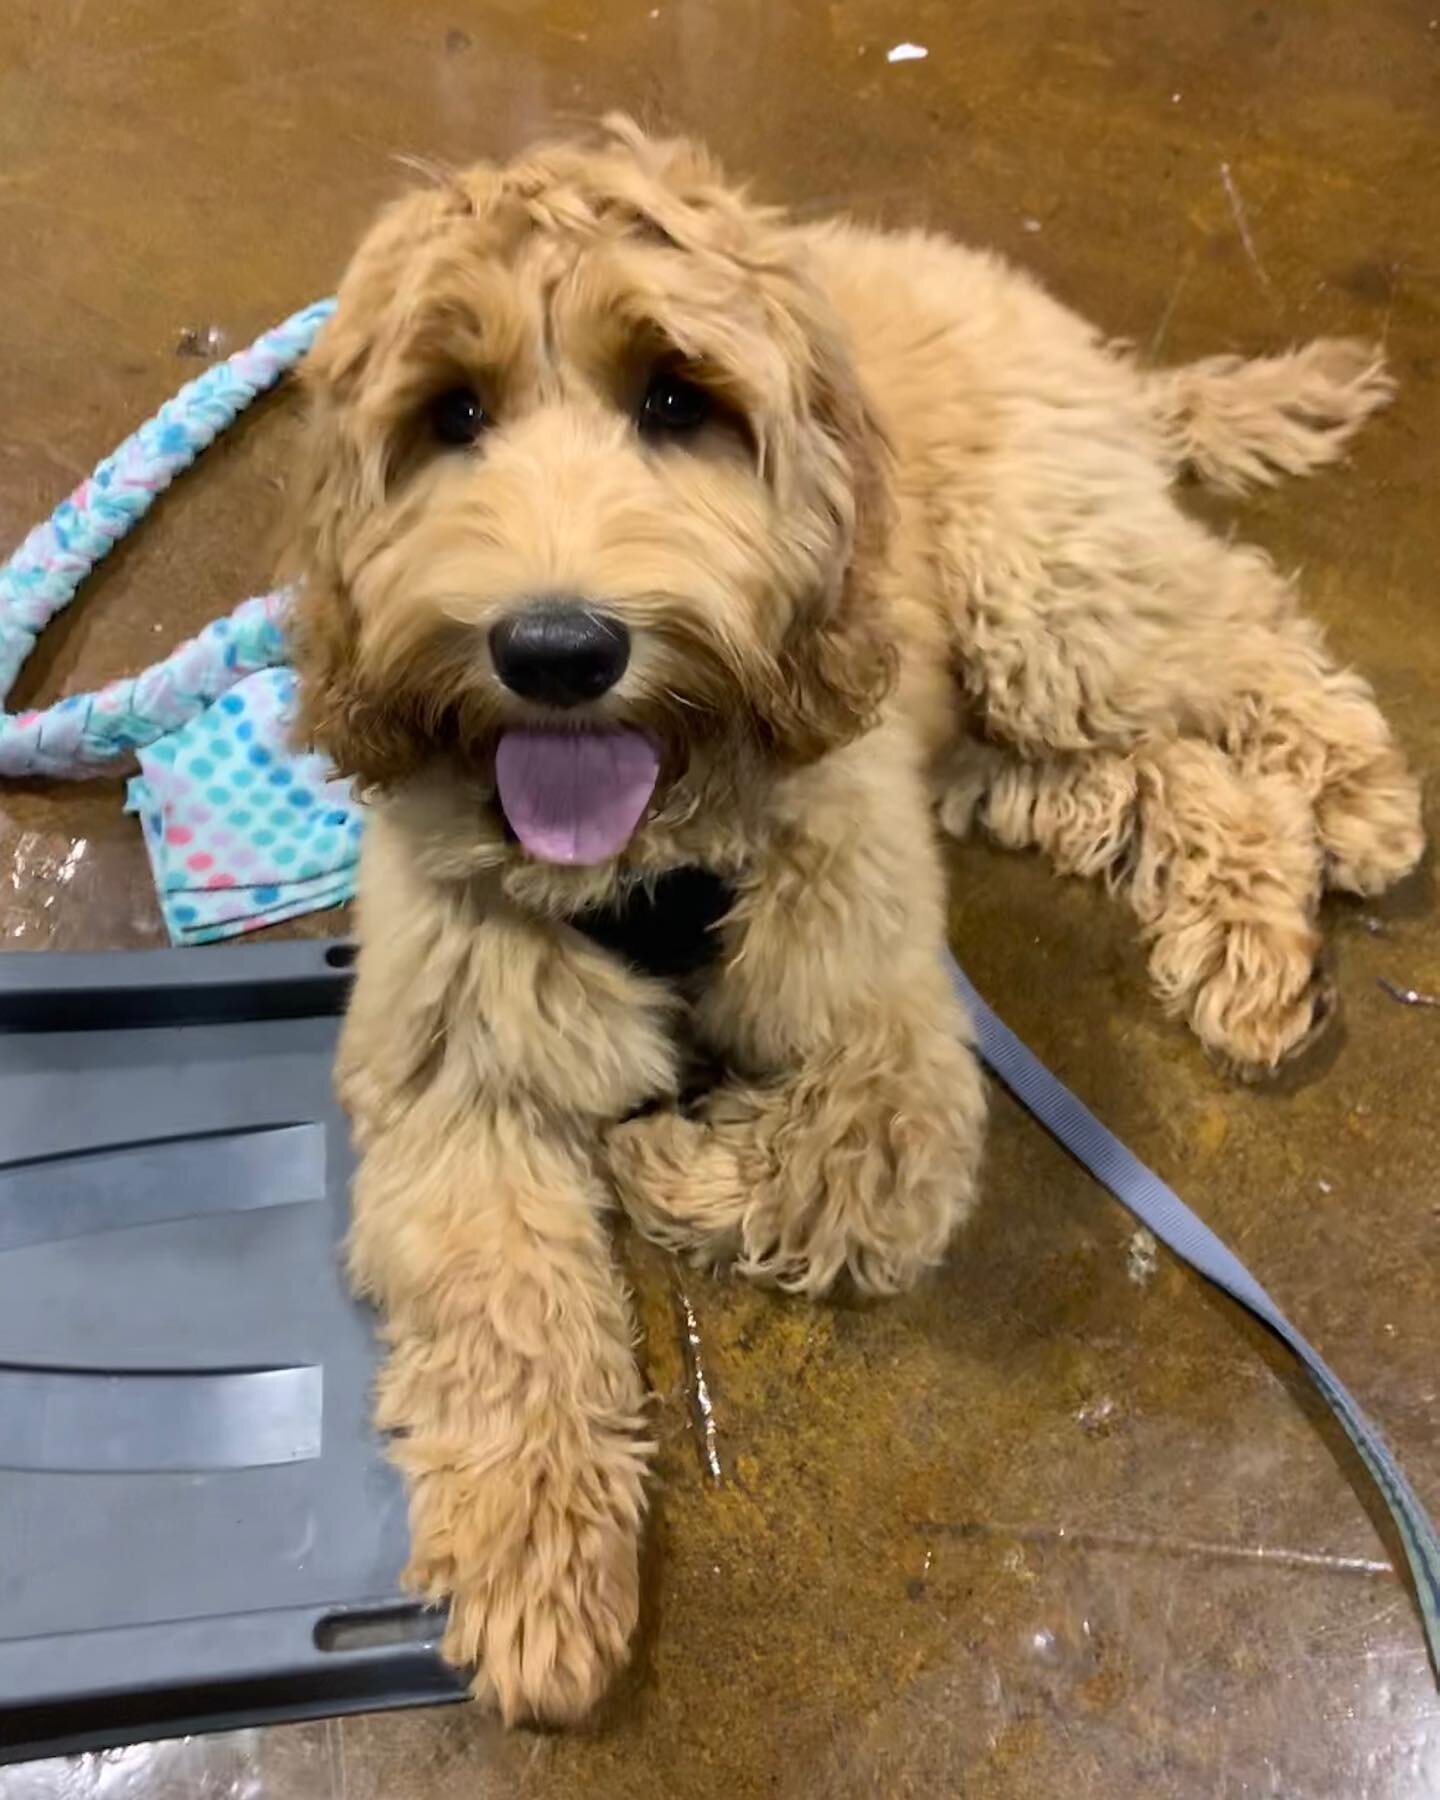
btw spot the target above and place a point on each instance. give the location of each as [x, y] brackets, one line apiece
[575, 797]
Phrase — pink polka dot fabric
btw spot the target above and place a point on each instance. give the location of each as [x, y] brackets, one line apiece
[242, 831]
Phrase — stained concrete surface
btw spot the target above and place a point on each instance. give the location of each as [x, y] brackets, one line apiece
[1063, 1522]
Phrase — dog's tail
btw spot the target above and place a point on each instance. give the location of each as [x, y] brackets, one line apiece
[1236, 422]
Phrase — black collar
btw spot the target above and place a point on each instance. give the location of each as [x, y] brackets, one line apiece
[666, 929]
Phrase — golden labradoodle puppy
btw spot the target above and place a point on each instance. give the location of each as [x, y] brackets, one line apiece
[643, 532]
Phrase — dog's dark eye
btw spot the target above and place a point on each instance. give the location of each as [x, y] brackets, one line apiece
[673, 404]
[456, 416]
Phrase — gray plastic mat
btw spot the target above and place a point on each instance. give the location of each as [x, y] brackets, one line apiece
[197, 1527]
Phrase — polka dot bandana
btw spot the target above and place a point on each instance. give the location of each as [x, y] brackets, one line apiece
[242, 831]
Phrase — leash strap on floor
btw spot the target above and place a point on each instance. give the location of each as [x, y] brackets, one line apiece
[1163, 1212]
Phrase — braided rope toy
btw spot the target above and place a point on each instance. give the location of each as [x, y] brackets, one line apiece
[84, 733]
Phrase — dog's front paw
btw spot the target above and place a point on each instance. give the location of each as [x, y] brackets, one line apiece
[542, 1601]
[539, 1566]
[703, 1188]
[683, 1187]
[846, 1168]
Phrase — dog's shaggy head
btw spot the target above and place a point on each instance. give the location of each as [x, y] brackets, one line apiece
[594, 389]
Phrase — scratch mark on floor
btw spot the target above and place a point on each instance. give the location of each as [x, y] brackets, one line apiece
[1157, 337]
[74, 302]
[283, 78]
[103, 61]
[697, 1387]
[1187, 1549]
[1395, 277]
[1408, 996]
[62, 459]
[1242, 225]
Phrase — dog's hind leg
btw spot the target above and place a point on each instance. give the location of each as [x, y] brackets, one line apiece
[1308, 724]
[1320, 729]
[1103, 622]
[1238, 422]
[1223, 873]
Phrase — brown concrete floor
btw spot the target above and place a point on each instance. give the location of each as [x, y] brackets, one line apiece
[1060, 1523]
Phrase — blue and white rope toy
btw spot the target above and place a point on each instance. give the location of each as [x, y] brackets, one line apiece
[84, 733]
[89, 733]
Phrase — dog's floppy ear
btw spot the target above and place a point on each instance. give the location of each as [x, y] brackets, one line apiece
[339, 479]
[338, 714]
[839, 660]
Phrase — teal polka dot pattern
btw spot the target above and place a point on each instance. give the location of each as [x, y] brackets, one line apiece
[241, 830]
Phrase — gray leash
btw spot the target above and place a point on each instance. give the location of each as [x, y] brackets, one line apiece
[1163, 1212]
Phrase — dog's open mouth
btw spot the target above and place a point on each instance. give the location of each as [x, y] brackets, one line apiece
[575, 796]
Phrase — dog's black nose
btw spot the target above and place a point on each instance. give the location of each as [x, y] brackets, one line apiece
[560, 653]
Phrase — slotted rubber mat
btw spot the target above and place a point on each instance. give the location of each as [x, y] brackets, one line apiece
[197, 1527]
